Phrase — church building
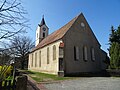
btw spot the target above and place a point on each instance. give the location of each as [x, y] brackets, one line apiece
[71, 49]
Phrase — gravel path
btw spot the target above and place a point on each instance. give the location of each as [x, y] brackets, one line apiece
[90, 83]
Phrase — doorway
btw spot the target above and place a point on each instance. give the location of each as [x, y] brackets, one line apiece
[61, 67]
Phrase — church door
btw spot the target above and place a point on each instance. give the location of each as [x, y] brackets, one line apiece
[61, 64]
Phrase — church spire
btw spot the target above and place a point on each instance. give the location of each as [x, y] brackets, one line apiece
[42, 22]
[41, 32]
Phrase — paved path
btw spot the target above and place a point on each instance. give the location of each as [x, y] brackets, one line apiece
[90, 83]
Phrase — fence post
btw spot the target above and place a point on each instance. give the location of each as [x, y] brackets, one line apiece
[21, 83]
[5, 84]
[9, 84]
[14, 85]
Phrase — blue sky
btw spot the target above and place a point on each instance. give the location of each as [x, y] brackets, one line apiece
[100, 14]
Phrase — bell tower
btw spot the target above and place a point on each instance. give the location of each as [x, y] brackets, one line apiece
[41, 32]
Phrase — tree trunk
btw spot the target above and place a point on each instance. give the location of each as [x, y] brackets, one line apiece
[22, 64]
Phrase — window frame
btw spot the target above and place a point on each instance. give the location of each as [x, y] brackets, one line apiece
[92, 54]
[43, 34]
[35, 59]
[32, 60]
[54, 52]
[76, 53]
[39, 58]
[48, 56]
[85, 53]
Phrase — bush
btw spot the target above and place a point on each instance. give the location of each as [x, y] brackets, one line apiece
[0, 68]
[5, 71]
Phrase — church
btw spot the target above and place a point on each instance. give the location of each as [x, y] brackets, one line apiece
[71, 49]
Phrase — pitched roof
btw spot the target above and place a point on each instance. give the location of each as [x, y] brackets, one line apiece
[57, 35]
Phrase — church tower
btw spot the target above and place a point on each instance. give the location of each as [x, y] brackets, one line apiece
[41, 32]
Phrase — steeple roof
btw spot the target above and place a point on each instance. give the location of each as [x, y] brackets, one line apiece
[42, 22]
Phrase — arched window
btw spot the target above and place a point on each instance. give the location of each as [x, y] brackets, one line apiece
[36, 59]
[76, 53]
[54, 52]
[39, 58]
[48, 55]
[85, 56]
[43, 34]
[32, 61]
[92, 54]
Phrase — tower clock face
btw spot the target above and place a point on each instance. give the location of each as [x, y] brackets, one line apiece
[82, 24]
[44, 29]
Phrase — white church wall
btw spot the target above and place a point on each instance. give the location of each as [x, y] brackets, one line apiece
[37, 36]
[39, 33]
[52, 67]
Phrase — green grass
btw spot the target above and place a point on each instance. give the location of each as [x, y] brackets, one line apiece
[42, 77]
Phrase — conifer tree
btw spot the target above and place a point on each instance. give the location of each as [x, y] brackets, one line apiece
[114, 49]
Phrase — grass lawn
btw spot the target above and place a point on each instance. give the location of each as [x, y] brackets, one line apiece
[42, 77]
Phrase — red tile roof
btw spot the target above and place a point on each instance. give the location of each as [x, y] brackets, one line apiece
[57, 35]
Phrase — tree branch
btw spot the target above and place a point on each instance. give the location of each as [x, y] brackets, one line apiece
[12, 18]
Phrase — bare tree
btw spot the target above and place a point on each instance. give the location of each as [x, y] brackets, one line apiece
[22, 46]
[12, 18]
[4, 57]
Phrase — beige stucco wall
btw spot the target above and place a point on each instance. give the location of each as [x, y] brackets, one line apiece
[52, 67]
[80, 37]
